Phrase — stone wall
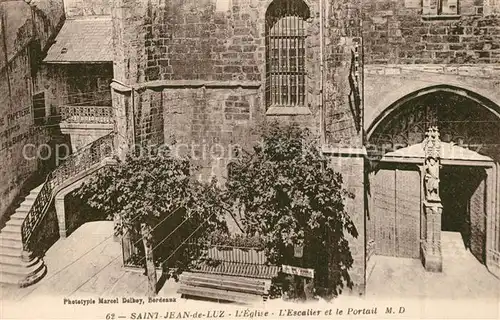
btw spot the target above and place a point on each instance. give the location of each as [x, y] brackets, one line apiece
[47, 232]
[396, 33]
[181, 47]
[196, 70]
[478, 222]
[76, 84]
[78, 213]
[49, 16]
[352, 168]
[343, 112]
[23, 39]
[81, 8]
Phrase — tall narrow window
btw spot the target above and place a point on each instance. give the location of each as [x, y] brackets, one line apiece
[440, 7]
[39, 112]
[285, 53]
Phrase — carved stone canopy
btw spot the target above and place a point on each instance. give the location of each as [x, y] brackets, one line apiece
[449, 151]
[432, 143]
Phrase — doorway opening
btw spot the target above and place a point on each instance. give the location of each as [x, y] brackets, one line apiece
[463, 195]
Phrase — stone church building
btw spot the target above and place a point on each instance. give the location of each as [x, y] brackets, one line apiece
[369, 78]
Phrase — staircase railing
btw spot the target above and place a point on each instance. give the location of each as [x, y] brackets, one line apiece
[79, 162]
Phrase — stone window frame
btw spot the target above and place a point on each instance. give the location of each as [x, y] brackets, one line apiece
[440, 9]
[271, 18]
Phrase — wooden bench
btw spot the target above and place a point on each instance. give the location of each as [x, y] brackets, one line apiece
[224, 287]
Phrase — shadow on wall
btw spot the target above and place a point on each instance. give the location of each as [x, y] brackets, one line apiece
[46, 234]
[29, 184]
[78, 212]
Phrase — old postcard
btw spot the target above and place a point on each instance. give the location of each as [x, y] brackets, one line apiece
[249, 159]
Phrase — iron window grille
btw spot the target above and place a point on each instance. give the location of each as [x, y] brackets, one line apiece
[286, 25]
[441, 8]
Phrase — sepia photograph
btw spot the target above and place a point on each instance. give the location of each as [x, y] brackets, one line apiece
[249, 159]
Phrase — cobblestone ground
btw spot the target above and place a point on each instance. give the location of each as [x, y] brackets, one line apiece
[88, 262]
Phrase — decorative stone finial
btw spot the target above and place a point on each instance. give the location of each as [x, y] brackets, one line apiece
[432, 149]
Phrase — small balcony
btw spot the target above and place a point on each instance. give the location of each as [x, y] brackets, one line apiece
[86, 114]
[85, 124]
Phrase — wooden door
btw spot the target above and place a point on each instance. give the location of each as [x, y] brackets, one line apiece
[408, 213]
[384, 207]
[396, 212]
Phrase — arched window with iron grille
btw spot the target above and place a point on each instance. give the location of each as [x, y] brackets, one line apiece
[286, 33]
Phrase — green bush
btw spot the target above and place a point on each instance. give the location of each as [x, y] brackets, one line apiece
[291, 196]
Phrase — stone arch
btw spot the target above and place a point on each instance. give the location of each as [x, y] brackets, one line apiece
[395, 100]
[399, 120]
[308, 3]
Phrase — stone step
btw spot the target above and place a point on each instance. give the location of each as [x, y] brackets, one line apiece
[10, 279]
[15, 223]
[10, 240]
[22, 210]
[12, 230]
[31, 196]
[27, 204]
[19, 216]
[15, 261]
[37, 189]
[11, 252]
[22, 270]
[23, 277]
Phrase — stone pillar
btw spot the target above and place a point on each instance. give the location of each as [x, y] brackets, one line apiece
[61, 216]
[122, 118]
[350, 162]
[430, 250]
[431, 247]
[128, 42]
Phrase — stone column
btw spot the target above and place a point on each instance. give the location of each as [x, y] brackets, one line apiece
[431, 246]
[128, 42]
[61, 215]
[351, 162]
[122, 118]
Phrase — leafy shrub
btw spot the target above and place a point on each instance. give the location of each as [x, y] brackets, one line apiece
[291, 196]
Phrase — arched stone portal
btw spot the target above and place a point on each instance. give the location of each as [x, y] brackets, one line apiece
[396, 221]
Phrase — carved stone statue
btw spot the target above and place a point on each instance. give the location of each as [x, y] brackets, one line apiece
[432, 149]
[432, 179]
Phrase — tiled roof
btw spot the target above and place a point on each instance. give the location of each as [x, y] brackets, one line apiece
[83, 40]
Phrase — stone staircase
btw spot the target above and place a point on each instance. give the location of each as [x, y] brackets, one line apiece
[16, 266]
